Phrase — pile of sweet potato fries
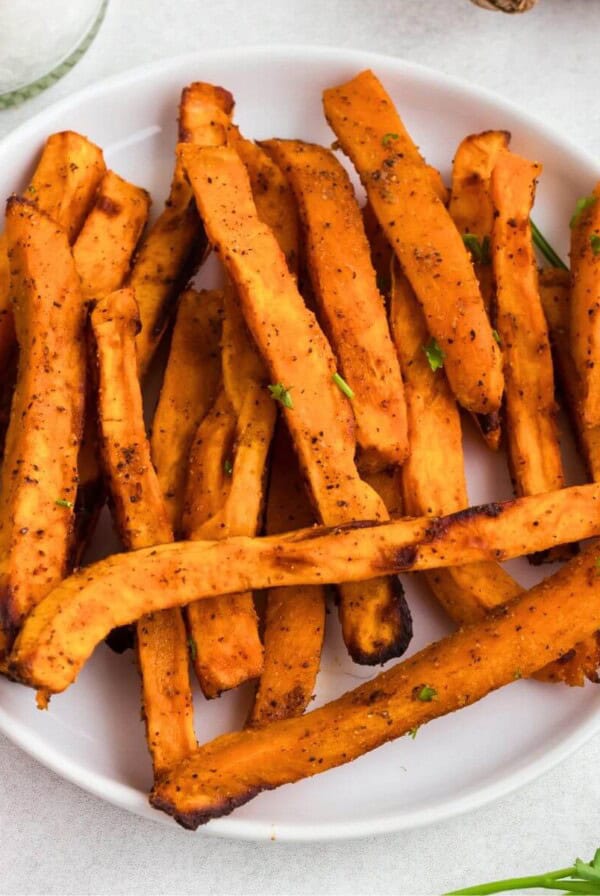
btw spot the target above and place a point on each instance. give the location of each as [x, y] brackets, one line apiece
[307, 433]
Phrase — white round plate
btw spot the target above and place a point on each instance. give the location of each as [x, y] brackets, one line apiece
[92, 734]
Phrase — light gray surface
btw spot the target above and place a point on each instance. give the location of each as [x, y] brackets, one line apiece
[56, 839]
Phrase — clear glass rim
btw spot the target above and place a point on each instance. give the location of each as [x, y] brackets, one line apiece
[18, 95]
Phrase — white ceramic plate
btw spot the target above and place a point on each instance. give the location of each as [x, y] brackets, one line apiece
[92, 734]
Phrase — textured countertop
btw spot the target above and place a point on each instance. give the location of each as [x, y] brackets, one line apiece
[55, 838]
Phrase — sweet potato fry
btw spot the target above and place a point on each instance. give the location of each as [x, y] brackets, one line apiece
[142, 521]
[105, 246]
[61, 632]
[554, 294]
[224, 496]
[433, 478]
[444, 677]
[350, 305]
[472, 211]
[189, 388]
[302, 366]
[295, 617]
[422, 235]
[585, 302]
[39, 473]
[63, 185]
[531, 432]
[170, 249]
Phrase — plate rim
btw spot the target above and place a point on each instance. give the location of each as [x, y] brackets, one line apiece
[127, 797]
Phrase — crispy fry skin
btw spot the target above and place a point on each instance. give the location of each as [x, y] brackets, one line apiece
[295, 617]
[531, 432]
[472, 211]
[40, 461]
[350, 305]
[299, 358]
[167, 254]
[422, 234]
[142, 521]
[460, 669]
[585, 302]
[272, 194]
[63, 185]
[107, 241]
[433, 478]
[61, 632]
[225, 496]
[189, 387]
[554, 293]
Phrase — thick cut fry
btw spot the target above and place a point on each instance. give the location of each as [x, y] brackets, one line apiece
[531, 431]
[39, 473]
[104, 248]
[422, 235]
[142, 521]
[224, 496]
[554, 293]
[585, 306]
[350, 305]
[456, 672]
[295, 617]
[61, 632]
[301, 365]
[63, 185]
[472, 211]
[189, 388]
[168, 253]
[433, 478]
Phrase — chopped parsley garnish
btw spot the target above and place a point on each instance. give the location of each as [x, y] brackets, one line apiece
[31, 189]
[193, 649]
[435, 355]
[282, 395]
[595, 243]
[413, 731]
[480, 251]
[342, 385]
[228, 466]
[581, 206]
[426, 694]
[496, 336]
[62, 502]
[388, 138]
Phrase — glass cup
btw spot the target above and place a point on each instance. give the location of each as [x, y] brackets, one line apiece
[40, 40]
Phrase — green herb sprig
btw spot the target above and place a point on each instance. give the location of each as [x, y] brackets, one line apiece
[552, 257]
[426, 694]
[480, 251]
[281, 394]
[581, 206]
[434, 354]
[62, 502]
[595, 243]
[343, 386]
[581, 877]
[388, 138]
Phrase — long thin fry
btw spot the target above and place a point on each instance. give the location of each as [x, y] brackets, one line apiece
[226, 497]
[442, 678]
[422, 235]
[585, 302]
[350, 305]
[302, 367]
[189, 388]
[142, 521]
[39, 473]
[295, 618]
[60, 634]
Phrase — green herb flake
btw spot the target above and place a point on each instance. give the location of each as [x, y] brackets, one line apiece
[550, 254]
[31, 189]
[581, 206]
[412, 733]
[426, 694]
[282, 395]
[480, 251]
[435, 355]
[496, 336]
[193, 649]
[595, 243]
[62, 502]
[517, 674]
[389, 138]
[343, 386]
[227, 467]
